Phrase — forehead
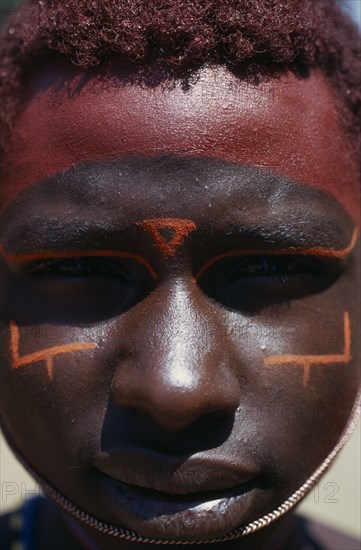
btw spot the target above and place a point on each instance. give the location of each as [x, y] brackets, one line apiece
[288, 126]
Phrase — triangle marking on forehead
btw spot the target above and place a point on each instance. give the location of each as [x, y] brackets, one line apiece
[168, 233]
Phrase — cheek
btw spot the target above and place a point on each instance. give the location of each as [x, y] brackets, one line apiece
[302, 388]
[57, 422]
[60, 410]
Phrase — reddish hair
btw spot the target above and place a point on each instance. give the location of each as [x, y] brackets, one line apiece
[253, 38]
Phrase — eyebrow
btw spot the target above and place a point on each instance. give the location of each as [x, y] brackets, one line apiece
[92, 171]
[329, 253]
[302, 221]
[38, 230]
[56, 255]
[318, 251]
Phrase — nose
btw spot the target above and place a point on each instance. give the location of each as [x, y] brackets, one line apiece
[177, 367]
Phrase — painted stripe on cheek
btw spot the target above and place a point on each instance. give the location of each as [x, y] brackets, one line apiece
[306, 361]
[46, 355]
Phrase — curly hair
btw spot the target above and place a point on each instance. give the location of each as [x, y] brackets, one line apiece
[253, 38]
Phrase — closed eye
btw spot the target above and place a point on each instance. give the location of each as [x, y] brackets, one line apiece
[77, 268]
[255, 281]
[85, 288]
[276, 266]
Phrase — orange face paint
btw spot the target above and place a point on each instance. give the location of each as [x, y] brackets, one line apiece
[46, 355]
[22, 258]
[306, 361]
[180, 228]
[312, 251]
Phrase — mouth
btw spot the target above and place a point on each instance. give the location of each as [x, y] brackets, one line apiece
[196, 497]
[180, 500]
[195, 515]
[171, 479]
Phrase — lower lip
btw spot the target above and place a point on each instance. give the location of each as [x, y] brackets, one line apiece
[206, 514]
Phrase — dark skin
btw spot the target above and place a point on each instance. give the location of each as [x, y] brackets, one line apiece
[176, 396]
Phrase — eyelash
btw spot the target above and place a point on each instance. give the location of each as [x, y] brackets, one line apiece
[252, 282]
[243, 283]
[77, 267]
[274, 267]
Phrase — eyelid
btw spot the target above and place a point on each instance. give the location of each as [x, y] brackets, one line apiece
[315, 251]
[286, 265]
[76, 267]
[53, 255]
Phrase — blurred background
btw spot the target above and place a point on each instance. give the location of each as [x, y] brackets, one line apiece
[335, 501]
[5, 8]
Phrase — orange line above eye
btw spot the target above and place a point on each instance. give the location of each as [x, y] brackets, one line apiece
[21, 258]
[312, 251]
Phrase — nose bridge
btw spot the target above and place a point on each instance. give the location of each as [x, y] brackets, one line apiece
[179, 349]
[183, 338]
[179, 371]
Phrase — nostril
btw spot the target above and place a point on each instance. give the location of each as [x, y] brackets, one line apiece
[177, 376]
[129, 427]
[207, 432]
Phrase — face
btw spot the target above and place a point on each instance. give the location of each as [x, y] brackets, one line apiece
[180, 316]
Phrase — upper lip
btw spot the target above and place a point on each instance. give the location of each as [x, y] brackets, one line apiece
[193, 475]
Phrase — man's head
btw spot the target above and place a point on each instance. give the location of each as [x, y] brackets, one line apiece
[180, 249]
